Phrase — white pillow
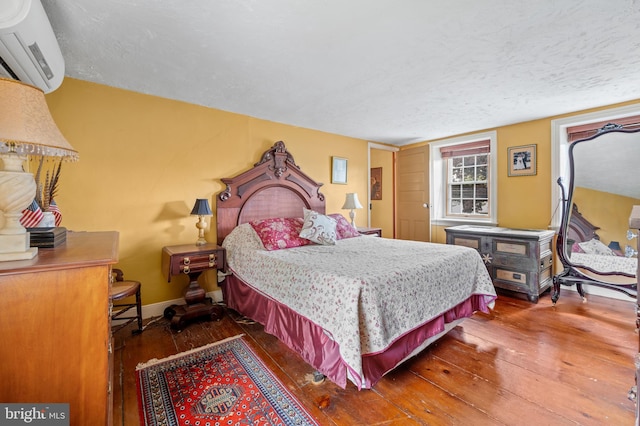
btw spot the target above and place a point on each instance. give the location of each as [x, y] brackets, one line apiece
[594, 246]
[318, 228]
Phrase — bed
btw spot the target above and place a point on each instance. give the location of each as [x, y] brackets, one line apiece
[590, 261]
[353, 307]
[587, 249]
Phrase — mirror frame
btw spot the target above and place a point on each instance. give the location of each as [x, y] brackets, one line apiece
[579, 274]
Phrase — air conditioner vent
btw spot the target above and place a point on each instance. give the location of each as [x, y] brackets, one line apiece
[29, 50]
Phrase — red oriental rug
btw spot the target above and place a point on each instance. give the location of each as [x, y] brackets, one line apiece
[224, 383]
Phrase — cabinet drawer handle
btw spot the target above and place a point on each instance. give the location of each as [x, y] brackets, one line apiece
[186, 261]
[517, 276]
[185, 270]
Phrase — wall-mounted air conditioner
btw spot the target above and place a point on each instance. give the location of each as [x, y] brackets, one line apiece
[29, 51]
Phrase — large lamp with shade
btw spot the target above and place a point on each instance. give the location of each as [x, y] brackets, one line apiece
[26, 129]
[351, 203]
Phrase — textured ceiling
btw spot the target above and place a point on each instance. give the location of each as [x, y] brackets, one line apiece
[396, 71]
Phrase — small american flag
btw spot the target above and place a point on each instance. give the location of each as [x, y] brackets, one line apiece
[32, 215]
[53, 208]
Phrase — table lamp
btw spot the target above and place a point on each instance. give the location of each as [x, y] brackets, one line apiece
[201, 209]
[351, 202]
[26, 128]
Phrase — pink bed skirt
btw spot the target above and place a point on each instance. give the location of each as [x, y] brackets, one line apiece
[311, 342]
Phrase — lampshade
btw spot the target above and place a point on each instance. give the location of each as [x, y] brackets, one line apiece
[26, 125]
[26, 128]
[201, 208]
[352, 202]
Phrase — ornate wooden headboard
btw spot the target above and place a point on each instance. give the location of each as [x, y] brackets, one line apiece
[274, 187]
[580, 229]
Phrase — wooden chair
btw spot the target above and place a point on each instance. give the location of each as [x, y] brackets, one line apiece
[121, 289]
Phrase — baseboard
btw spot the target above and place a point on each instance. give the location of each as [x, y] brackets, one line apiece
[598, 291]
[157, 309]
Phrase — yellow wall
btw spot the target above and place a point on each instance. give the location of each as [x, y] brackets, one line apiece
[144, 160]
[524, 201]
[608, 211]
[382, 210]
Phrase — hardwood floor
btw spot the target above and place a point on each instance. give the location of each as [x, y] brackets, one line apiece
[523, 364]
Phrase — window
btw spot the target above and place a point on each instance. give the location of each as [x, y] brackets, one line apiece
[468, 191]
[463, 176]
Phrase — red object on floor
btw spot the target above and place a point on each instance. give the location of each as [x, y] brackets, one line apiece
[221, 383]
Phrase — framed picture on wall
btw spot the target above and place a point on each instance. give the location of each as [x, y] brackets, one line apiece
[522, 160]
[338, 170]
[376, 183]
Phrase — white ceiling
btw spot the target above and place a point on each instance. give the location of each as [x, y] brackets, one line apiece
[391, 71]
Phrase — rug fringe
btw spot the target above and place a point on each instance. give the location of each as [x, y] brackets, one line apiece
[155, 361]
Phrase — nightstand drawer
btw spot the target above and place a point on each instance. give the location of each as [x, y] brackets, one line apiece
[188, 264]
[179, 260]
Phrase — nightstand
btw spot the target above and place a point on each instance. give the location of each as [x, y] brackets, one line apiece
[192, 260]
[371, 231]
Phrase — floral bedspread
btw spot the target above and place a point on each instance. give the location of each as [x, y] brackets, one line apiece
[364, 291]
[604, 263]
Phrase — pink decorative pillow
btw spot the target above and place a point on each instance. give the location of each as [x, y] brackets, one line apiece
[343, 227]
[280, 233]
[575, 248]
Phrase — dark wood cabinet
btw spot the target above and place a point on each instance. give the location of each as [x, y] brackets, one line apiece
[518, 260]
[192, 260]
[371, 231]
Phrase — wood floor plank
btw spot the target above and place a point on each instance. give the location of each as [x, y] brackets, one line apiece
[531, 386]
[577, 370]
[431, 404]
[521, 364]
[482, 393]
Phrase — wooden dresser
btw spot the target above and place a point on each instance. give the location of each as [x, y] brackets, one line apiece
[55, 327]
[517, 259]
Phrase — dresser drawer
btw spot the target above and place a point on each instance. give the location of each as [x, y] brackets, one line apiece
[512, 248]
[466, 241]
[518, 279]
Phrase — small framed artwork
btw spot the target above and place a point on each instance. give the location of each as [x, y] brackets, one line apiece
[338, 170]
[522, 160]
[376, 183]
